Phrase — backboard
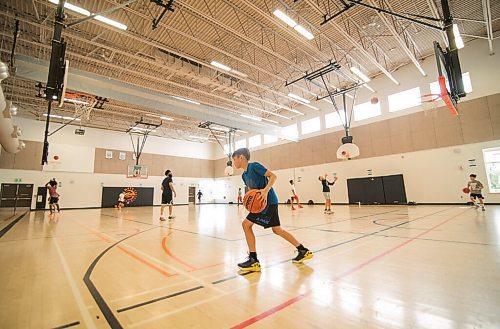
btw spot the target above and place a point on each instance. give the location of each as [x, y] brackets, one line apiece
[137, 171]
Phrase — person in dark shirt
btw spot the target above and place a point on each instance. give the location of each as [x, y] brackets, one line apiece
[200, 194]
[167, 187]
[256, 176]
[326, 192]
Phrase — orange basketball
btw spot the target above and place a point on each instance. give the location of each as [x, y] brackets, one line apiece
[374, 100]
[253, 202]
[56, 157]
[466, 190]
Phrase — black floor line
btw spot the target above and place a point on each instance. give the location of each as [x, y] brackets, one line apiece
[128, 308]
[11, 225]
[101, 303]
[72, 324]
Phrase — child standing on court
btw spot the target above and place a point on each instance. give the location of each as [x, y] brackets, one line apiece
[240, 199]
[294, 196]
[475, 187]
[326, 192]
[54, 196]
[256, 176]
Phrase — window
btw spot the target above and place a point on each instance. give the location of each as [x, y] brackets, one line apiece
[240, 144]
[254, 141]
[310, 126]
[404, 100]
[467, 84]
[334, 120]
[290, 131]
[492, 164]
[366, 110]
[268, 139]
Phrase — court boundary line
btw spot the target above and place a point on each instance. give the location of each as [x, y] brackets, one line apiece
[11, 225]
[292, 301]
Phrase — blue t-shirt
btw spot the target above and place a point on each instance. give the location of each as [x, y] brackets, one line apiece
[254, 178]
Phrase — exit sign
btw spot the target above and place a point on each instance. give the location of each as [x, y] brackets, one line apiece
[79, 131]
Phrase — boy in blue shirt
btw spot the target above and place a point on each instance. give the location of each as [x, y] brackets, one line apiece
[256, 176]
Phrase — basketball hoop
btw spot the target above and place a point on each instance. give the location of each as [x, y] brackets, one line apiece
[83, 104]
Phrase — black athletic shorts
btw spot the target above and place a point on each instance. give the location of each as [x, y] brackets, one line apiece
[267, 220]
[166, 198]
[53, 200]
[476, 195]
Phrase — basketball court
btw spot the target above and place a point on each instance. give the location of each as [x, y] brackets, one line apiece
[123, 203]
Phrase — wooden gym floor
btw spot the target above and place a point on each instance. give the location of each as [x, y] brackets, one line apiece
[374, 267]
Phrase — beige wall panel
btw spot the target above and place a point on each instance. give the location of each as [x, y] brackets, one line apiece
[421, 121]
[495, 125]
[381, 146]
[207, 168]
[30, 158]
[365, 146]
[424, 139]
[7, 160]
[477, 130]
[494, 105]
[476, 109]
[156, 168]
[399, 125]
[401, 143]
[443, 117]
[380, 129]
[448, 135]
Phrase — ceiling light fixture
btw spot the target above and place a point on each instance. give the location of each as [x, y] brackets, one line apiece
[298, 98]
[220, 66]
[290, 22]
[251, 117]
[186, 100]
[85, 12]
[360, 74]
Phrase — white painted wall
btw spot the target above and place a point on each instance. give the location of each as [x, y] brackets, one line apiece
[474, 58]
[431, 176]
[82, 190]
[98, 138]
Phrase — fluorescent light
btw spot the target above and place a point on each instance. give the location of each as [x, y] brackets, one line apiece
[198, 137]
[284, 17]
[251, 117]
[293, 110]
[360, 74]
[369, 88]
[166, 118]
[71, 7]
[55, 116]
[111, 22]
[242, 131]
[305, 33]
[186, 100]
[220, 128]
[241, 74]
[458, 38]
[269, 120]
[296, 97]
[220, 66]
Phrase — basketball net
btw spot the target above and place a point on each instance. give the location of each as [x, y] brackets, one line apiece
[83, 104]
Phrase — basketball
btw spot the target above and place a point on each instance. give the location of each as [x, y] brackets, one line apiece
[253, 202]
[344, 152]
[374, 100]
[466, 190]
[56, 157]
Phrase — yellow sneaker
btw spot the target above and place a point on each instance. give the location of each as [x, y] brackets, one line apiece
[250, 265]
[302, 256]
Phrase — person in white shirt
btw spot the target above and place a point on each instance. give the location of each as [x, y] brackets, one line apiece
[294, 196]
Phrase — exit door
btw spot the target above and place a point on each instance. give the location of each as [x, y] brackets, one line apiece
[191, 194]
[16, 195]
